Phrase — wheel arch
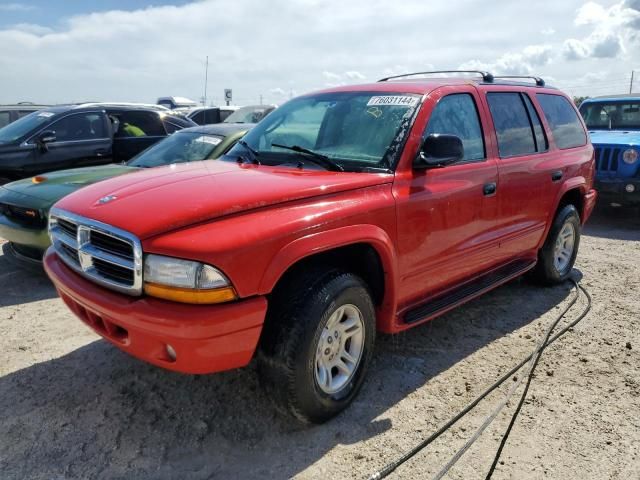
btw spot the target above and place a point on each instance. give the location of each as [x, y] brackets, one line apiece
[365, 250]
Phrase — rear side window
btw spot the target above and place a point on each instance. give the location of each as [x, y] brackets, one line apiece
[212, 116]
[457, 115]
[513, 127]
[538, 132]
[199, 118]
[139, 124]
[5, 118]
[563, 121]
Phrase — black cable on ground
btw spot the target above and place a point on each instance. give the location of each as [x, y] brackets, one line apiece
[391, 467]
[526, 388]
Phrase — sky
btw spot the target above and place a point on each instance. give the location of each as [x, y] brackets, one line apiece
[56, 51]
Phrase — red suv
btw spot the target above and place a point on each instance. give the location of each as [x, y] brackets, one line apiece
[346, 212]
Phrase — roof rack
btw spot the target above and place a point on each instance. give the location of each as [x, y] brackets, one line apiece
[486, 76]
[539, 81]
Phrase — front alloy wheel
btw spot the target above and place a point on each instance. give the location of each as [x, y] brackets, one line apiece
[317, 343]
[340, 348]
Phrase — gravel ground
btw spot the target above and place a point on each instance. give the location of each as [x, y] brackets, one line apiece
[72, 406]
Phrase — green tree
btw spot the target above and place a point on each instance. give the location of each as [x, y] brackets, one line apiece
[579, 100]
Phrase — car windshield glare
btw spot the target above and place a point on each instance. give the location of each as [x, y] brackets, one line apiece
[613, 115]
[177, 148]
[356, 130]
[23, 126]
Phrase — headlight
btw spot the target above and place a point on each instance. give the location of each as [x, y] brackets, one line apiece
[630, 156]
[185, 281]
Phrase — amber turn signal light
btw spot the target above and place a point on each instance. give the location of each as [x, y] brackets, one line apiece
[38, 179]
[188, 295]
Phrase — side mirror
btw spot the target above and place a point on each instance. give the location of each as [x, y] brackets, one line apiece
[46, 137]
[439, 150]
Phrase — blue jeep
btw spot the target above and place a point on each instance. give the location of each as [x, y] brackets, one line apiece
[614, 127]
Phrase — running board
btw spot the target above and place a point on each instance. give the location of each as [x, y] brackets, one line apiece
[441, 303]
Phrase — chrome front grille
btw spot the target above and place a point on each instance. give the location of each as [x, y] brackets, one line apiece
[104, 254]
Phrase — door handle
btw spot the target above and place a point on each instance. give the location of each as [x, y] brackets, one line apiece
[556, 176]
[100, 152]
[489, 188]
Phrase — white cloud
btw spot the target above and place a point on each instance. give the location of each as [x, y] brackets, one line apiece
[16, 7]
[31, 28]
[590, 13]
[353, 75]
[576, 49]
[611, 27]
[283, 46]
[522, 63]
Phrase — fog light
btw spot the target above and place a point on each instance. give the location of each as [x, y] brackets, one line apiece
[171, 353]
[630, 188]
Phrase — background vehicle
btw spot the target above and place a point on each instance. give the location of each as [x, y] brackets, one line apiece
[81, 135]
[614, 127]
[176, 102]
[11, 113]
[209, 115]
[344, 212]
[250, 114]
[25, 204]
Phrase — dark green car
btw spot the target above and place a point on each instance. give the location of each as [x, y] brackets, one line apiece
[25, 204]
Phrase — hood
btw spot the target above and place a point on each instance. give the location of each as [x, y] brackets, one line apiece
[63, 182]
[615, 137]
[158, 200]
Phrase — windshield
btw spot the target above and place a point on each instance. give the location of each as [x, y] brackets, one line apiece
[24, 125]
[355, 130]
[177, 148]
[614, 115]
[248, 114]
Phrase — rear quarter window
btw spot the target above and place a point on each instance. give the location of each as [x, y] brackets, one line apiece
[563, 120]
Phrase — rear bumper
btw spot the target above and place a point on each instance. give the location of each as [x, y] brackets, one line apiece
[206, 338]
[614, 190]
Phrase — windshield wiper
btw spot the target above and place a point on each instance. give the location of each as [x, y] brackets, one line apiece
[316, 157]
[254, 153]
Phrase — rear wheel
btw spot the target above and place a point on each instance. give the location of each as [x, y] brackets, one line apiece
[317, 344]
[558, 254]
[4, 180]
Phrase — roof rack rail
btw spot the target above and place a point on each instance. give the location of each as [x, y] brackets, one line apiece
[539, 81]
[486, 76]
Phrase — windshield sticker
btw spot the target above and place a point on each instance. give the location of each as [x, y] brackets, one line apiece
[375, 112]
[393, 101]
[208, 139]
[46, 114]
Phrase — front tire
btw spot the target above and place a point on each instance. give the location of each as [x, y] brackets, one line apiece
[317, 344]
[558, 254]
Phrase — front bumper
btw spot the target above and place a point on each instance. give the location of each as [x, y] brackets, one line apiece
[614, 190]
[32, 239]
[206, 338]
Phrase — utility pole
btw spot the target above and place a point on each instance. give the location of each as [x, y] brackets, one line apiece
[631, 84]
[260, 99]
[206, 75]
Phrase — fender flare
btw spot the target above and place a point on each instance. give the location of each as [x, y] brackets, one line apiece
[572, 183]
[315, 243]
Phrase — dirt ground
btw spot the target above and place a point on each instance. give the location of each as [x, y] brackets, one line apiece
[74, 407]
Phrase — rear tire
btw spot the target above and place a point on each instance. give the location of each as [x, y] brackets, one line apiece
[558, 254]
[317, 343]
[4, 180]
